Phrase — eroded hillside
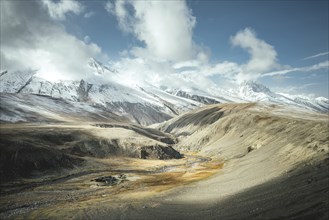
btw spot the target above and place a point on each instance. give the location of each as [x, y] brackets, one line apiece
[229, 161]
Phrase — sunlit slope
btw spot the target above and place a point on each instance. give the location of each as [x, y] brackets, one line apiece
[276, 162]
[228, 130]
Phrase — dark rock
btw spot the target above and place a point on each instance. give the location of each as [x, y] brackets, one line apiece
[159, 152]
[109, 180]
[167, 140]
[310, 180]
[83, 90]
[122, 176]
[250, 148]
[201, 99]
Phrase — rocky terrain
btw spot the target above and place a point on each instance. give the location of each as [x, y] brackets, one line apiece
[144, 152]
[180, 109]
[228, 161]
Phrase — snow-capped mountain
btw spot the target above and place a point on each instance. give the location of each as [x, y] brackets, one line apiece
[98, 67]
[255, 92]
[141, 105]
[320, 104]
[251, 91]
[144, 104]
[199, 98]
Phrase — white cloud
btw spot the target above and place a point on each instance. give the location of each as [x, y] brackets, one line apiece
[138, 70]
[59, 10]
[188, 63]
[225, 68]
[124, 18]
[316, 55]
[89, 14]
[263, 55]
[165, 30]
[318, 66]
[165, 27]
[86, 39]
[262, 59]
[36, 42]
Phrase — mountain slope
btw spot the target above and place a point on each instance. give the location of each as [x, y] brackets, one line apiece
[39, 108]
[144, 104]
[251, 91]
[275, 163]
[241, 161]
[139, 105]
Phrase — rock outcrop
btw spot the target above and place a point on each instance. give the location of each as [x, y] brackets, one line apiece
[159, 152]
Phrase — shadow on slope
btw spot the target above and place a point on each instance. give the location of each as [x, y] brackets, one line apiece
[300, 194]
[42, 109]
[198, 118]
[203, 116]
[32, 151]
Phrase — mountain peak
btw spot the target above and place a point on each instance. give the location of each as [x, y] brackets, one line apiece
[322, 99]
[254, 86]
[96, 65]
[99, 67]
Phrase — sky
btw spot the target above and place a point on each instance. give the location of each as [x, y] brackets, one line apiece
[282, 44]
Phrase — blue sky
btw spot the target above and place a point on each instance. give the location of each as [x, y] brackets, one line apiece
[226, 41]
[295, 29]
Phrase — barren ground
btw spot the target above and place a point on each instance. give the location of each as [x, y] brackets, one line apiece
[241, 161]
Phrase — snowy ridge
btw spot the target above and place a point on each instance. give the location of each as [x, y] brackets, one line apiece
[204, 99]
[19, 107]
[144, 104]
[14, 83]
[98, 68]
[251, 91]
[320, 104]
[255, 92]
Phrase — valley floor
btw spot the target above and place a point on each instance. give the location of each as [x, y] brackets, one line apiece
[239, 162]
[77, 196]
[73, 193]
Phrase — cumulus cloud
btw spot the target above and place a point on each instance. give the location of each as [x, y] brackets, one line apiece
[169, 55]
[166, 54]
[165, 27]
[138, 71]
[30, 39]
[263, 55]
[124, 18]
[58, 10]
[263, 58]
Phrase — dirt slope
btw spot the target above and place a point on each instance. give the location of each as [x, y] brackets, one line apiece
[243, 161]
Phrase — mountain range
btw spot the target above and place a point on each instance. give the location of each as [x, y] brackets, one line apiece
[143, 104]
